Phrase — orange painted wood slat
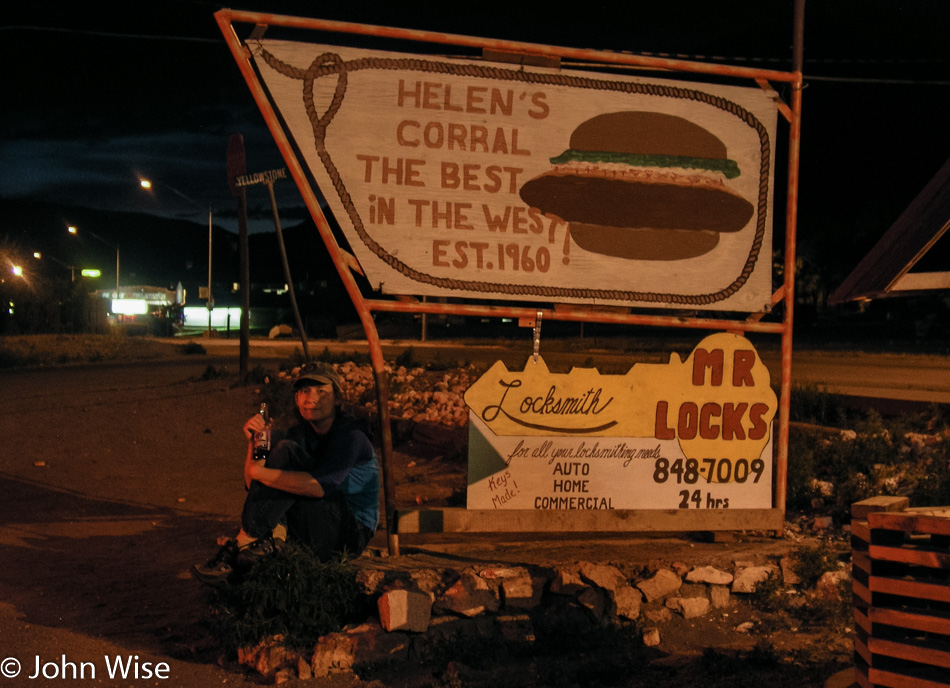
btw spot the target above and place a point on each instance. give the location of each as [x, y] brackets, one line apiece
[912, 651]
[891, 679]
[918, 622]
[933, 522]
[919, 589]
[860, 592]
[861, 531]
[862, 650]
[861, 561]
[862, 620]
[906, 555]
[860, 511]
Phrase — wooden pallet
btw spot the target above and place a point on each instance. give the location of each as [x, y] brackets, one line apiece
[901, 588]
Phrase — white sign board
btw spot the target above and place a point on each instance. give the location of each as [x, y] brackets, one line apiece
[471, 179]
[691, 434]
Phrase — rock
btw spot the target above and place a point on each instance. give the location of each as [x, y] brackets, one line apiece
[660, 615]
[370, 580]
[469, 596]
[745, 627]
[427, 581]
[623, 599]
[748, 578]
[788, 571]
[689, 607]
[333, 654]
[709, 575]
[594, 602]
[364, 644]
[304, 672]
[828, 586]
[663, 583]
[268, 657]
[502, 573]
[567, 581]
[402, 610]
[284, 675]
[692, 590]
[627, 603]
[651, 637]
[522, 592]
[607, 578]
[719, 596]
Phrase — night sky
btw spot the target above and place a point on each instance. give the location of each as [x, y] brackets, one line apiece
[98, 94]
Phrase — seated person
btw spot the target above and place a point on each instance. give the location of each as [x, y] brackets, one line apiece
[321, 481]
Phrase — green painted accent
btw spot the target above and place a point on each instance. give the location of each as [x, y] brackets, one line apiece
[483, 459]
[726, 166]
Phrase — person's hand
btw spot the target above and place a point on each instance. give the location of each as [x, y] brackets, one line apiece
[253, 425]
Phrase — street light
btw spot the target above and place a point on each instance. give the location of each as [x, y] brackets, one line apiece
[72, 229]
[147, 185]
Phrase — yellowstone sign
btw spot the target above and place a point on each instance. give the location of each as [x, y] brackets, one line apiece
[689, 434]
[458, 178]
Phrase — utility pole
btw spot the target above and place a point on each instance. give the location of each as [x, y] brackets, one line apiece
[236, 166]
[269, 178]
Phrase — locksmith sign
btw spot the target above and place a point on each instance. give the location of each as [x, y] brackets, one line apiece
[688, 434]
[457, 178]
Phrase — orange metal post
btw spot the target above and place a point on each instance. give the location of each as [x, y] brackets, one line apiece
[600, 56]
[242, 58]
[791, 219]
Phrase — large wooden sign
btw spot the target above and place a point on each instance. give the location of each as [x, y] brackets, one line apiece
[690, 434]
[471, 179]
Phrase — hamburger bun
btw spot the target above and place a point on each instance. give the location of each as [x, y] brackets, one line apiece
[643, 186]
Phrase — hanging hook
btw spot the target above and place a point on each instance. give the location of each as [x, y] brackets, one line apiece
[537, 336]
[256, 39]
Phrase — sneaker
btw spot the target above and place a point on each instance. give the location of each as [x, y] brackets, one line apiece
[218, 569]
[250, 554]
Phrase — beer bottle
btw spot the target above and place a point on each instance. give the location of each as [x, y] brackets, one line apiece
[262, 437]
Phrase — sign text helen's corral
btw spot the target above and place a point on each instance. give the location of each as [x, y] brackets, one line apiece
[469, 179]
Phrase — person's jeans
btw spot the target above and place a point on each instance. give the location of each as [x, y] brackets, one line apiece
[324, 524]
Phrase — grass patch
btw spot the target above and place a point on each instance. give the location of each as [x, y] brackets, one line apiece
[292, 594]
[811, 563]
[769, 595]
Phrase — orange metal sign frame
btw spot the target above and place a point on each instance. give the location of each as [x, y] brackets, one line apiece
[344, 262]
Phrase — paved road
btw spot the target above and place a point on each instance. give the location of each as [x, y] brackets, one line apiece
[912, 377]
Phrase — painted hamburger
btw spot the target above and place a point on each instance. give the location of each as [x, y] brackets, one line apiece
[643, 186]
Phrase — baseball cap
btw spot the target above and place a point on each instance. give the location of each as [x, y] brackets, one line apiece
[318, 373]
